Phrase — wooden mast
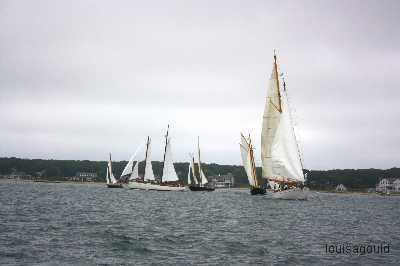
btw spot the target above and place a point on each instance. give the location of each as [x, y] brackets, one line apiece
[277, 84]
[253, 165]
[166, 142]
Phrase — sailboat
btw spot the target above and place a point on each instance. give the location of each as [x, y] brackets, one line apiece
[246, 150]
[169, 179]
[200, 182]
[110, 179]
[280, 154]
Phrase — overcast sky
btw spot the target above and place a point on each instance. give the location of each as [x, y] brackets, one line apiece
[81, 78]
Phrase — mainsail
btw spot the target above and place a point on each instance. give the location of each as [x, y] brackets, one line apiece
[248, 160]
[169, 173]
[110, 173]
[279, 151]
[148, 169]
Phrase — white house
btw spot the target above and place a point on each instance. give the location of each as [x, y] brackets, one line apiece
[396, 185]
[340, 188]
[388, 185]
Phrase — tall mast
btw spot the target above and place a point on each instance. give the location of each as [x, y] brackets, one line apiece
[199, 164]
[277, 83]
[166, 142]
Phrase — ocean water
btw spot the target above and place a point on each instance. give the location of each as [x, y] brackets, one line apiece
[77, 224]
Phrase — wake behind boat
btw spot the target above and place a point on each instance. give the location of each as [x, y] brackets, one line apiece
[200, 182]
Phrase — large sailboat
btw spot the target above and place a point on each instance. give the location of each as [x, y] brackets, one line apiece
[110, 179]
[200, 182]
[247, 152]
[280, 154]
[169, 179]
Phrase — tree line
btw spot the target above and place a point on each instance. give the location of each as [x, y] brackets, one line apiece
[316, 179]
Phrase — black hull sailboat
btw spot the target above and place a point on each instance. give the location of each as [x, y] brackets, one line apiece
[200, 182]
[257, 191]
[114, 185]
[199, 188]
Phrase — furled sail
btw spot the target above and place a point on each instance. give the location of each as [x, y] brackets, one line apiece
[279, 151]
[148, 169]
[246, 159]
[169, 173]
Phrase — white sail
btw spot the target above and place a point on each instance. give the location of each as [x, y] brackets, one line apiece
[169, 173]
[135, 172]
[111, 175]
[195, 181]
[188, 177]
[246, 159]
[279, 150]
[107, 177]
[129, 166]
[203, 177]
[148, 170]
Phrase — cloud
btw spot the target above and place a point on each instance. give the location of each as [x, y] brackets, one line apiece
[79, 79]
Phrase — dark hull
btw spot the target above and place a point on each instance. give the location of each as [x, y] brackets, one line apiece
[198, 188]
[114, 185]
[257, 191]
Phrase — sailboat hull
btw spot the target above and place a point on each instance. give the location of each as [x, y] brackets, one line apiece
[114, 185]
[149, 186]
[257, 191]
[199, 188]
[291, 194]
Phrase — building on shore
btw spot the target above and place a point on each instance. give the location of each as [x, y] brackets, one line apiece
[340, 188]
[222, 181]
[84, 177]
[388, 185]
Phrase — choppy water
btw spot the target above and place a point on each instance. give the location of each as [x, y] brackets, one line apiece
[69, 224]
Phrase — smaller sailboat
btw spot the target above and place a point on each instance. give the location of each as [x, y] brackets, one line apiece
[110, 179]
[246, 150]
[200, 182]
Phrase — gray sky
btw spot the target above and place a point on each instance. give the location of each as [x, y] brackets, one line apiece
[81, 78]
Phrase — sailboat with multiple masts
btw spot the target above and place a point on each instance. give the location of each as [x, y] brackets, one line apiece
[169, 180]
[200, 182]
[110, 179]
[280, 155]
